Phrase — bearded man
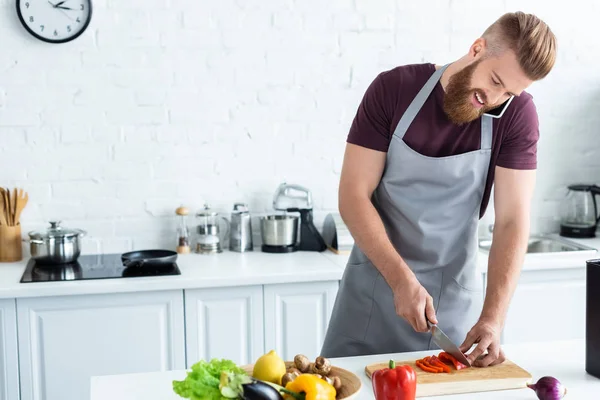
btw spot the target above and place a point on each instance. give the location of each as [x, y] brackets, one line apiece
[425, 147]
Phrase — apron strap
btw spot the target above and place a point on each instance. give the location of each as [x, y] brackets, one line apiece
[486, 132]
[417, 103]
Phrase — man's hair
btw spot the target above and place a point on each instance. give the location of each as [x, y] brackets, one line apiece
[529, 37]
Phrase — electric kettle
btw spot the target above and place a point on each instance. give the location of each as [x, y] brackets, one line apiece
[579, 212]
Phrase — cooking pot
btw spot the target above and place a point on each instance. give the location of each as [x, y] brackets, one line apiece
[279, 230]
[57, 245]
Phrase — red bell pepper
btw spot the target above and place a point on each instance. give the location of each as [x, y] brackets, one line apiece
[450, 359]
[395, 382]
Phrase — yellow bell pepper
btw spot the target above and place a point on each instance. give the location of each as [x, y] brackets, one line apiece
[313, 387]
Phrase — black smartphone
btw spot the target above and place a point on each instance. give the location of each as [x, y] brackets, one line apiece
[499, 111]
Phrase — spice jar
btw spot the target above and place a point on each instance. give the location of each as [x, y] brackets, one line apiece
[183, 233]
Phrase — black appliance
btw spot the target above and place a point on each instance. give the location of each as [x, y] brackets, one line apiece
[96, 266]
[579, 211]
[592, 318]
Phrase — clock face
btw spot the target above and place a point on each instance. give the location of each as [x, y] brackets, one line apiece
[55, 21]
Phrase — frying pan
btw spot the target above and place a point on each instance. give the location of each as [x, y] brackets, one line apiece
[141, 257]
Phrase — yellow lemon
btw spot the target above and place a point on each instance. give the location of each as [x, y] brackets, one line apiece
[269, 368]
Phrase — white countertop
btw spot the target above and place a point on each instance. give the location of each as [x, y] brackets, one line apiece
[251, 268]
[562, 360]
[532, 261]
[197, 271]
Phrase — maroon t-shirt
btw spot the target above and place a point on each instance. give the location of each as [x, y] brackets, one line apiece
[515, 134]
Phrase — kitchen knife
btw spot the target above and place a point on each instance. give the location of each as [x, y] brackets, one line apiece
[442, 340]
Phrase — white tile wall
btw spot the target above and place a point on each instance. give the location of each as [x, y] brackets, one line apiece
[169, 102]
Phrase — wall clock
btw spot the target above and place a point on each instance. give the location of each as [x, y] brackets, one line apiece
[55, 21]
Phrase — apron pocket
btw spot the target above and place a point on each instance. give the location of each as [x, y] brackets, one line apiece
[355, 300]
[471, 282]
[459, 308]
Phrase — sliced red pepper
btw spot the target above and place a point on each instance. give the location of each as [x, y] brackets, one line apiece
[437, 363]
[443, 356]
[425, 367]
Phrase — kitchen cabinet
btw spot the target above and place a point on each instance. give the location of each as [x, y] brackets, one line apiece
[9, 362]
[548, 305]
[224, 323]
[64, 340]
[296, 317]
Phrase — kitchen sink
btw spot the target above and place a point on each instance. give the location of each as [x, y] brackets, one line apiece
[545, 245]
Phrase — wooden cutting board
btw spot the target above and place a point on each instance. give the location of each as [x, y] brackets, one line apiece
[507, 375]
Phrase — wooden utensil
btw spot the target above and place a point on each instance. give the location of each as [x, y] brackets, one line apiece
[13, 210]
[6, 205]
[9, 202]
[351, 383]
[22, 200]
[3, 217]
[504, 376]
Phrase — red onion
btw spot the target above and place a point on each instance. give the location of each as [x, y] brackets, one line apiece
[548, 388]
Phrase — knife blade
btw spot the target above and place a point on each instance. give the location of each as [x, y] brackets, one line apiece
[442, 340]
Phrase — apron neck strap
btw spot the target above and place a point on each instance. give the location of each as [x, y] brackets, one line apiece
[414, 107]
[486, 132]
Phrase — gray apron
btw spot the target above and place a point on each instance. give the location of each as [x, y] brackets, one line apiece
[430, 209]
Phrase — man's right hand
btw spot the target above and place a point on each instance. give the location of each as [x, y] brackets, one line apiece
[413, 303]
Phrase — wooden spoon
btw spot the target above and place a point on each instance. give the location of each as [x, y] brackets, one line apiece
[21, 203]
[8, 207]
[3, 220]
[3, 207]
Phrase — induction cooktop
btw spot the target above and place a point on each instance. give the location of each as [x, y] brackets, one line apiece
[95, 266]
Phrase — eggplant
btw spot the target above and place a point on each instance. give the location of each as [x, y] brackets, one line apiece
[259, 390]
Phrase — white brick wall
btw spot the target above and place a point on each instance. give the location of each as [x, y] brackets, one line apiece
[170, 102]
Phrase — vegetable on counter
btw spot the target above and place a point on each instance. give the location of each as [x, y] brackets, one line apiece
[548, 388]
[447, 357]
[322, 366]
[397, 382]
[439, 364]
[302, 363]
[425, 366]
[202, 382]
[310, 387]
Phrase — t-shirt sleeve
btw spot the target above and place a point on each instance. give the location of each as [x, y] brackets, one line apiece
[371, 125]
[519, 147]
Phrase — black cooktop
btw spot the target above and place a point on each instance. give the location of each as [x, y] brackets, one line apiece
[96, 266]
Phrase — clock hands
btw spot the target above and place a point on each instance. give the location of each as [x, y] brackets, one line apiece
[59, 5]
[62, 8]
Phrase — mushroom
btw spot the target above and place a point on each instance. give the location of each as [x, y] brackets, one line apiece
[337, 383]
[322, 366]
[302, 363]
[288, 377]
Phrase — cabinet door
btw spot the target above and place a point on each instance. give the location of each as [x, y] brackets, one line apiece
[9, 363]
[224, 323]
[547, 305]
[296, 317]
[63, 341]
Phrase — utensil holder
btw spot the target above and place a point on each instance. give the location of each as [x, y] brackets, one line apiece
[10, 243]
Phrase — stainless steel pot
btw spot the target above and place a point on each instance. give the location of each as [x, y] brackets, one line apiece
[56, 245]
[279, 230]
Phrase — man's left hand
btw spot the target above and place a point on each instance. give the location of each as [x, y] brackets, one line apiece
[487, 336]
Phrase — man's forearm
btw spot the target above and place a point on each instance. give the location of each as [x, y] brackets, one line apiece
[368, 231]
[504, 268]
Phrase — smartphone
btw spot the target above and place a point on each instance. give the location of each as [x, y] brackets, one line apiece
[499, 111]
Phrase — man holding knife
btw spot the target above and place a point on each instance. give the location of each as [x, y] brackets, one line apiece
[426, 145]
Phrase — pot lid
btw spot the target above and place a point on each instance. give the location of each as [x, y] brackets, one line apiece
[55, 231]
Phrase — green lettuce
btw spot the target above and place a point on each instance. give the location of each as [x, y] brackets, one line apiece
[202, 382]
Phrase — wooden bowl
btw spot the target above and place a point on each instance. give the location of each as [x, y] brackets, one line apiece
[351, 383]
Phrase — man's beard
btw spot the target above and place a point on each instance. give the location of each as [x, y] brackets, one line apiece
[457, 99]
